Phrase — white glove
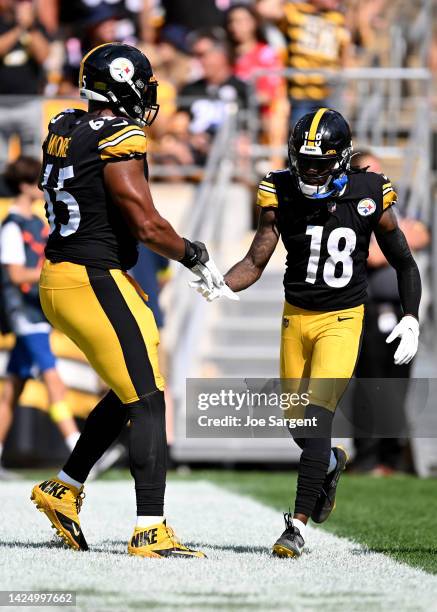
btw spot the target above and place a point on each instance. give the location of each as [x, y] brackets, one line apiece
[198, 261]
[209, 274]
[216, 292]
[408, 331]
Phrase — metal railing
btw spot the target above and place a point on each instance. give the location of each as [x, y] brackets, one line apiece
[203, 222]
[389, 112]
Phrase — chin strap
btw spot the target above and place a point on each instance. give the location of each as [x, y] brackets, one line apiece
[339, 184]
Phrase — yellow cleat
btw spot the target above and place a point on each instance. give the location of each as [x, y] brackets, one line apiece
[61, 503]
[159, 541]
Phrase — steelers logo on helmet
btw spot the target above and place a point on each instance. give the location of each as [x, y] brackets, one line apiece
[121, 69]
[366, 207]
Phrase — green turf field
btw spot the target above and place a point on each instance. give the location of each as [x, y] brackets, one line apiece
[394, 516]
[211, 512]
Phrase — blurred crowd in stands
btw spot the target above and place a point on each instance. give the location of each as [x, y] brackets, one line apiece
[205, 54]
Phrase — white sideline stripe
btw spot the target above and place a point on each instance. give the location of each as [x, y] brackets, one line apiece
[128, 134]
[235, 532]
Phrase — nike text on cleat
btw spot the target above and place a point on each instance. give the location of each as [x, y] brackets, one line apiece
[159, 541]
[61, 503]
[291, 543]
[325, 503]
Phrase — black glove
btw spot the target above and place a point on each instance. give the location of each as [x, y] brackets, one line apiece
[195, 253]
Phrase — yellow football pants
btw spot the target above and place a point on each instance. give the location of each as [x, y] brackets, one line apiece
[319, 351]
[105, 316]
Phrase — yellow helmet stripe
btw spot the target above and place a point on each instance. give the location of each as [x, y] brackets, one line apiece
[315, 124]
[85, 57]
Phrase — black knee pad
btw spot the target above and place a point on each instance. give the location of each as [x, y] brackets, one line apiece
[152, 406]
[316, 440]
[314, 460]
[148, 452]
[147, 436]
[317, 450]
[321, 425]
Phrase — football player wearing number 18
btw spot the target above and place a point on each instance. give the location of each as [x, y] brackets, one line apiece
[99, 206]
[325, 214]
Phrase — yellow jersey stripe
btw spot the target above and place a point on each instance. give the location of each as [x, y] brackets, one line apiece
[389, 199]
[115, 135]
[118, 139]
[131, 145]
[315, 124]
[266, 199]
[267, 184]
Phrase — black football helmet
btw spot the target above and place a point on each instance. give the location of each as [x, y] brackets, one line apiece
[319, 153]
[121, 75]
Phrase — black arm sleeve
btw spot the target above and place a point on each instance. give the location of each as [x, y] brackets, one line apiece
[397, 252]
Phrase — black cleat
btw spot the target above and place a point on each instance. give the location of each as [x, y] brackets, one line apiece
[325, 503]
[291, 543]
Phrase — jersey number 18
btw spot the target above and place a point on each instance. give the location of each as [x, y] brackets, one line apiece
[336, 255]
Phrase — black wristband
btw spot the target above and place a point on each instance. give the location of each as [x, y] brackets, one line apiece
[195, 252]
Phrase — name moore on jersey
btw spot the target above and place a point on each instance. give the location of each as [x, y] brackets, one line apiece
[85, 226]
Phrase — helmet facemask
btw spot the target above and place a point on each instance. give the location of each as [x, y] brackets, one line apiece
[320, 150]
[143, 110]
[151, 106]
[319, 176]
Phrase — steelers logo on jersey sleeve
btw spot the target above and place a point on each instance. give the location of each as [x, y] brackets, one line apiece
[366, 207]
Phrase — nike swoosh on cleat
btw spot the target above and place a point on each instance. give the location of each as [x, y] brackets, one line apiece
[182, 552]
[178, 553]
[72, 529]
[344, 318]
[75, 530]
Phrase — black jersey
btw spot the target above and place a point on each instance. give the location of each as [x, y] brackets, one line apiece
[86, 227]
[327, 242]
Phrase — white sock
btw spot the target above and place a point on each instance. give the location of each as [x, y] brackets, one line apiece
[71, 440]
[147, 521]
[301, 526]
[68, 480]
[332, 462]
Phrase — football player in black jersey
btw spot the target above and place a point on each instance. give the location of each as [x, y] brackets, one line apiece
[98, 205]
[325, 214]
